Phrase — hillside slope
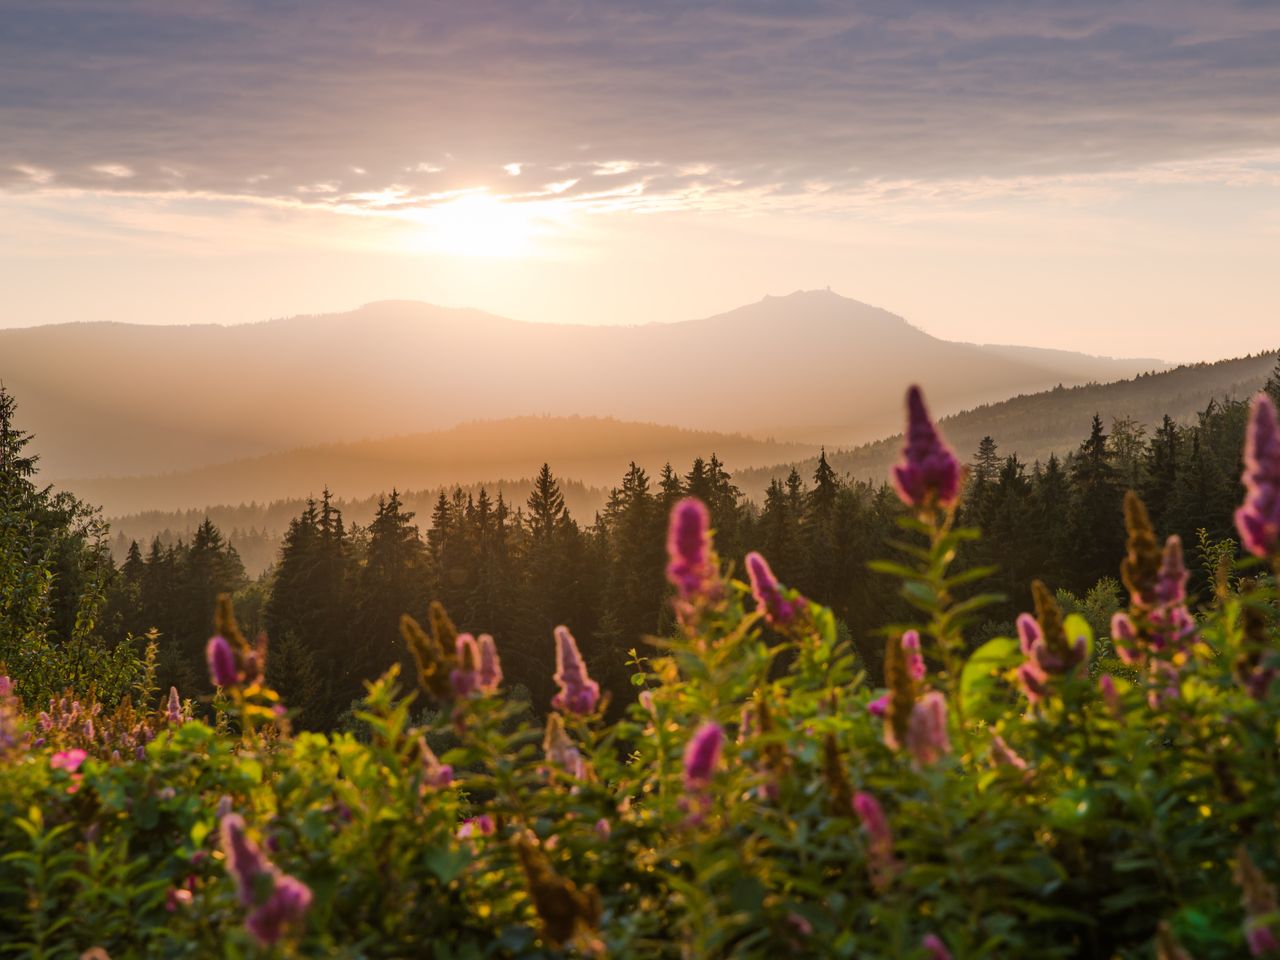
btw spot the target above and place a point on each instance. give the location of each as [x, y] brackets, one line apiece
[1054, 421]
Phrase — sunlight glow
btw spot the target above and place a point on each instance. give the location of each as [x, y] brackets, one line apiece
[478, 225]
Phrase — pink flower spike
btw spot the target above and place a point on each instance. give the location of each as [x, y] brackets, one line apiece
[879, 706]
[1110, 696]
[68, 760]
[1029, 633]
[1258, 519]
[937, 950]
[1171, 581]
[690, 567]
[173, 712]
[1124, 638]
[1261, 940]
[769, 594]
[927, 736]
[1003, 755]
[481, 826]
[578, 692]
[915, 660]
[873, 820]
[463, 678]
[244, 860]
[880, 859]
[287, 904]
[223, 670]
[702, 755]
[929, 473]
[489, 673]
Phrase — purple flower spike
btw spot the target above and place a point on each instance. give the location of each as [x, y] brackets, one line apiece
[1171, 582]
[1261, 940]
[690, 567]
[489, 673]
[1003, 755]
[578, 692]
[927, 736]
[1029, 633]
[701, 756]
[244, 860]
[560, 750]
[481, 826]
[1258, 519]
[173, 712]
[288, 898]
[223, 670]
[778, 610]
[1124, 637]
[915, 661]
[880, 860]
[929, 473]
[1111, 696]
[287, 904]
[463, 677]
[1033, 681]
[934, 946]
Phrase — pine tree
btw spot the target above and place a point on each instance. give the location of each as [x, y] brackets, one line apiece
[826, 486]
[392, 582]
[1160, 470]
[15, 464]
[986, 463]
[546, 506]
[1127, 445]
[634, 584]
[670, 490]
[1096, 517]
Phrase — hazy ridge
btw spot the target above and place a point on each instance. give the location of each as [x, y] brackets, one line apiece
[589, 449]
[110, 399]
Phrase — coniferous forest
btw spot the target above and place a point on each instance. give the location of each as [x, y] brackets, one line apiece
[331, 602]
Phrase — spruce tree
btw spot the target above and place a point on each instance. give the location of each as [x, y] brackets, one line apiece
[392, 582]
[1096, 517]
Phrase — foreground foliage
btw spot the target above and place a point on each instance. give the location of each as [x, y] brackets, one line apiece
[1053, 794]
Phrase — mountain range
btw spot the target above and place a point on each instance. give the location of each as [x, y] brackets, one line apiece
[116, 399]
[234, 495]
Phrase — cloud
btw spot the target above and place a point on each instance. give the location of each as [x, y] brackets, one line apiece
[656, 105]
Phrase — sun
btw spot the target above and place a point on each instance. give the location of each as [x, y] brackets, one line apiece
[477, 225]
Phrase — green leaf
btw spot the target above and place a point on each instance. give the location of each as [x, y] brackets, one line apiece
[921, 595]
[1076, 627]
[978, 676]
[446, 863]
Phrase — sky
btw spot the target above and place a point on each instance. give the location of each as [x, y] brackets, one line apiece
[1101, 176]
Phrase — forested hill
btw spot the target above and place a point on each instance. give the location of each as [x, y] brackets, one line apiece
[123, 399]
[1035, 425]
[256, 529]
[591, 450]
